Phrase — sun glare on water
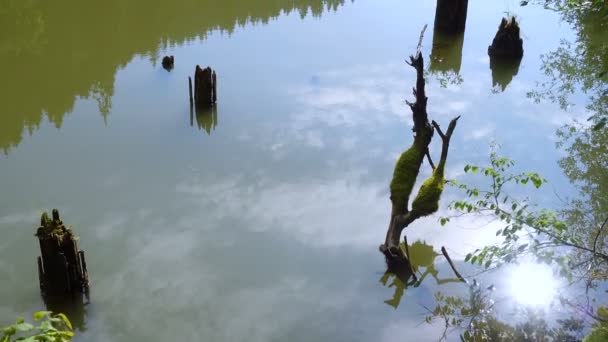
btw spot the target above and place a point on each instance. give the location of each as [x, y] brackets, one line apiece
[532, 284]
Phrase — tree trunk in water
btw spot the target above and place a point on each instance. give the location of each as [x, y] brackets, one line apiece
[61, 267]
[451, 16]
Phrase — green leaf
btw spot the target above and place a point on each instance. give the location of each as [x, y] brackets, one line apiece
[488, 263]
[24, 327]
[40, 315]
[467, 168]
[522, 247]
[65, 320]
[601, 124]
[9, 331]
[467, 257]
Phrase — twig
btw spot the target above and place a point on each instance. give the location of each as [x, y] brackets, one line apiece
[445, 254]
[428, 156]
[409, 260]
[599, 232]
[419, 48]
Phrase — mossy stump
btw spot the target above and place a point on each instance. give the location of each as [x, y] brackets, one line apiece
[62, 269]
[507, 44]
[205, 87]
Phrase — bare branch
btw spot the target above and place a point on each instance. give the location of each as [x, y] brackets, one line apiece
[438, 129]
[599, 232]
[445, 254]
[419, 48]
[428, 156]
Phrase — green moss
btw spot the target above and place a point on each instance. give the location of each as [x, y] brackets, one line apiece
[404, 176]
[597, 335]
[427, 200]
[44, 219]
[52, 229]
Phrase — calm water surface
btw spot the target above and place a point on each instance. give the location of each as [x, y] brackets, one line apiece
[261, 221]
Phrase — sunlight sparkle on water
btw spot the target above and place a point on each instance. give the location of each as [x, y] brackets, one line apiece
[532, 284]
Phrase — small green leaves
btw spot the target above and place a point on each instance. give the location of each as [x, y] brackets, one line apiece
[52, 328]
[65, 320]
[24, 327]
[601, 124]
[40, 315]
[471, 168]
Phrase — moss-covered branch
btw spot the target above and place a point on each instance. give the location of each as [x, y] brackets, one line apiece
[408, 166]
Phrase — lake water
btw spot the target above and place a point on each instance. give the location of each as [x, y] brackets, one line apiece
[261, 221]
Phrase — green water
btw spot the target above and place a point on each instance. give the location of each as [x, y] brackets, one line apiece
[260, 222]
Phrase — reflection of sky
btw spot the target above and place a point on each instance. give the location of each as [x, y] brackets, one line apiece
[267, 229]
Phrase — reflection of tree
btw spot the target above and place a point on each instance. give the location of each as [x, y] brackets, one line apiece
[54, 53]
[582, 63]
[474, 316]
[586, 165]
[446, 57]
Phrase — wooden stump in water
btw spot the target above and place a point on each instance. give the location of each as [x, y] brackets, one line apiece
[451, 16]
[62, 269]
[168, 62]
[507, 43]
[205, 87]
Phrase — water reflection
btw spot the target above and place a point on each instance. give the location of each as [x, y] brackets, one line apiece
[74, 307]
[69, 50]
[446, 57]
[422, 258]
[206, 119]
[503, 72]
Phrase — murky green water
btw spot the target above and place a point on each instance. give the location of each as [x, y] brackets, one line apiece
[261, 222]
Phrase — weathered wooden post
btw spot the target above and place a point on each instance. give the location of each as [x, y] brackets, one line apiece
[451, 16]
[205, 87]
[507, 43]
[62, 269]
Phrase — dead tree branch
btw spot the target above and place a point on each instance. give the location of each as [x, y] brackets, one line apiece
[447, 257]
[401, 216]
